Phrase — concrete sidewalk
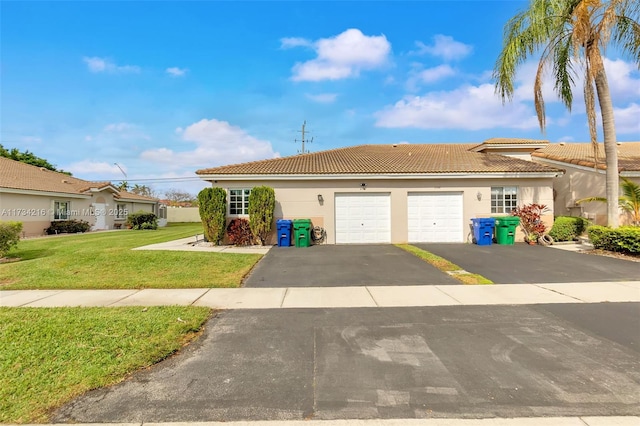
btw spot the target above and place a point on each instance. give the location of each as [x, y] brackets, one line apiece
[521, 421]
[333, 297]
[197, 243]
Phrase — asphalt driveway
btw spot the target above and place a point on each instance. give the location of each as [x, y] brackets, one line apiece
[522, 263]
[343, 265]
[461, 362]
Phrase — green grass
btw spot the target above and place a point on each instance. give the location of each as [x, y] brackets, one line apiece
[105, 260]
[51, 355]
[445, 265]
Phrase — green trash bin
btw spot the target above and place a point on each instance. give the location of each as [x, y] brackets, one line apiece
[302, 232]
[506, 229]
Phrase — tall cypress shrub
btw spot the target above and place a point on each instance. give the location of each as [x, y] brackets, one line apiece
[262, 203]
[213, 209]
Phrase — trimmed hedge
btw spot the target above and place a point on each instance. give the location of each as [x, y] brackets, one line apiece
[9, 236]
[142, 220]
[568, 228]
[68, 227]
[239, 232]
[625, 239]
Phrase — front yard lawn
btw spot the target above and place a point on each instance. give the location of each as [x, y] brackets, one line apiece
[51, 355]
[104, 260]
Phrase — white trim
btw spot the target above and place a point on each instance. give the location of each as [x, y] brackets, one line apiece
[131, 200]
[43, 193]
[465, 175]
[625, 173]
[490, 146]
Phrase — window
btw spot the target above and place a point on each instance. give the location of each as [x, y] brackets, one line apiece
[503, 199]
[61, 210]
[239, 201]
[121, 211]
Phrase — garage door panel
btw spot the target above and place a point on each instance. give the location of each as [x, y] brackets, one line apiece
[363, 218]
[435, 217]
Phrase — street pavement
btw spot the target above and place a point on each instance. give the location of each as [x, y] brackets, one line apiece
[370, 363]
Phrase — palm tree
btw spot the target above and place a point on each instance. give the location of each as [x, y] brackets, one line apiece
[629, 201]
[568, 33]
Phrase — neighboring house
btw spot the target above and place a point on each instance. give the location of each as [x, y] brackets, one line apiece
[395, 193]
[585, 177]
[36, 197]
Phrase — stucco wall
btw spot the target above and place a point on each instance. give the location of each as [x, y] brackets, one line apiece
[299, 199]
[578, 183]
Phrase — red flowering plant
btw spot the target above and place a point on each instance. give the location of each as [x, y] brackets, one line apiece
[531, 220]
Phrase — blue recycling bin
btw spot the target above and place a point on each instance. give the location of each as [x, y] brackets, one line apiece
[284, 232]
[483, 230]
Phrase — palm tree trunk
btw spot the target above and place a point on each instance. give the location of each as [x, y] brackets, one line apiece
[610, 148]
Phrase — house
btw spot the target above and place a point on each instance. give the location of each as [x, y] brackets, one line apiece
[36, 197]
[395, 193]
[585, 176]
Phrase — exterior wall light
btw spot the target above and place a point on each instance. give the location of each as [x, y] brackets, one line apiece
[479, 195]
[320, 198]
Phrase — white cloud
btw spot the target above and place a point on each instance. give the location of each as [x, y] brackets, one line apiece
[323, 98]
[342, 56]
[176, 72]
[99, 65]
[118, 127]
[289, 42]
[623, 78]
[628, 119]
[434, 74]
[31, 139]
[217, 143]
[444, 47]
[95, 168]
[468, 107]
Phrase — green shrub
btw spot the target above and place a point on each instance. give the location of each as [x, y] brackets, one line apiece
[213, 210]
[9, 236]
[625, 239]
[142, 220]
[262, 203]
[71, 226]
[568, 228]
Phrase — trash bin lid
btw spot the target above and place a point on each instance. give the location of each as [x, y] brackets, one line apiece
[285, 222]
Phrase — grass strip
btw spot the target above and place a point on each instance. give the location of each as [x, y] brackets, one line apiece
[445, 266]
[104, 260]
[51, 355]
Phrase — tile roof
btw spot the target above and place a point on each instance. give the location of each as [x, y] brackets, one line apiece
[124, 195]
[17, 175]
[385, 159]
[582, 154]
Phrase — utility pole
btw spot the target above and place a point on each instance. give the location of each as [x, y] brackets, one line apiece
[303, 151]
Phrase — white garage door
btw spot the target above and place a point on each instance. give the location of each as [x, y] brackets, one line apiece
[435, 217]
[363, 218]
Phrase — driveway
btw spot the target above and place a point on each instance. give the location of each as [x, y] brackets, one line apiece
[464, 361]
[522, 263]
[343, 265]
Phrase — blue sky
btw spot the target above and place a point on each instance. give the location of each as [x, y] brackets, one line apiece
[165, 88]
